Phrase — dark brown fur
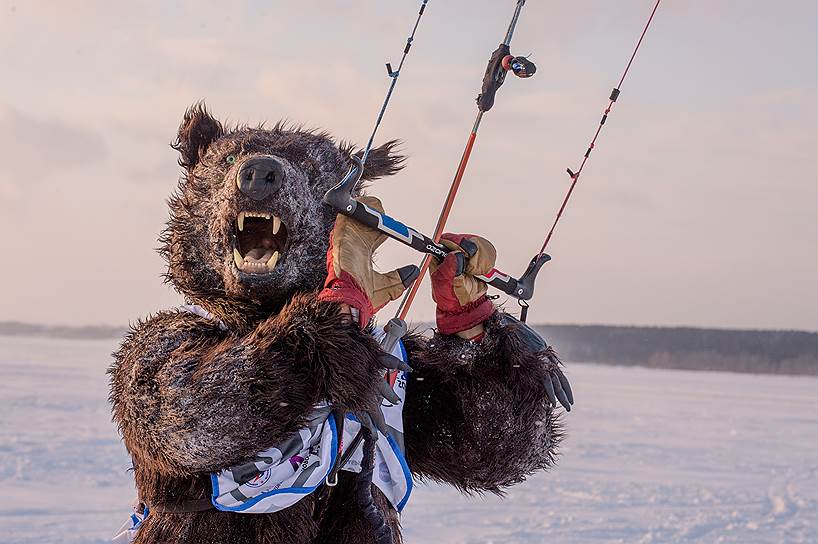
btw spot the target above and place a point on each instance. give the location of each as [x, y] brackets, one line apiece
[191, 397]
[476, 416]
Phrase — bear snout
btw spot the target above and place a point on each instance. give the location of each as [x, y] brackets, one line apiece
[260, 176]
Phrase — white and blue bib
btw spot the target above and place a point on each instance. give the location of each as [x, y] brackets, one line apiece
[281, 476]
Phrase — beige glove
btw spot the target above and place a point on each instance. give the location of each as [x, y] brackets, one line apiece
[351, 278]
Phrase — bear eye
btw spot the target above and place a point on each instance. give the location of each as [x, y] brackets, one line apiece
[310, 167]
[230, 159]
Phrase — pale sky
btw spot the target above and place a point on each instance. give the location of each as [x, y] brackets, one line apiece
[698, 207]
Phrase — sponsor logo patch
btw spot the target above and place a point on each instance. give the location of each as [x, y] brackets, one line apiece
[260, 480]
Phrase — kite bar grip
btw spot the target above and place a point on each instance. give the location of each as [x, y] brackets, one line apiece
[523, 288]
[340, 199]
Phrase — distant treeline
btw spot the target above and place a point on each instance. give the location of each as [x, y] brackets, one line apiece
[768, 352]
[14, 328]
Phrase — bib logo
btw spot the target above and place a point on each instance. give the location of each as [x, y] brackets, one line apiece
[383, 472]
[295, 461]
[260, 480]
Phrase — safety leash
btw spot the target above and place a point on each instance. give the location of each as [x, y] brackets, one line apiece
[363, 490]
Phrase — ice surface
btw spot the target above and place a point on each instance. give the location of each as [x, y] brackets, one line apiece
[652, 456]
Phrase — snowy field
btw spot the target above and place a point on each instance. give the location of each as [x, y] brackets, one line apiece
[651, 456]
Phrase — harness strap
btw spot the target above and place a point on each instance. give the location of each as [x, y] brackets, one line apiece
[332, 477]
[371, 512]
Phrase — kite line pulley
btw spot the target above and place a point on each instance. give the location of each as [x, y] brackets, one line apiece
[501, 63]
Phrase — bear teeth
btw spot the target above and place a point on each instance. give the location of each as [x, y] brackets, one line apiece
[258, 243]
[273, 261]
[267, 216]
[248, 264]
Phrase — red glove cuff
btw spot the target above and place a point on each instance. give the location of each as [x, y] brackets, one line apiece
[345, 290]
[466, 317]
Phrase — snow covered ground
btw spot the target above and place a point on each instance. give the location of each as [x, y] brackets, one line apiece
[651, 456]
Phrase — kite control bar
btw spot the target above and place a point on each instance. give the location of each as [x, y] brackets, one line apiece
[340, 199]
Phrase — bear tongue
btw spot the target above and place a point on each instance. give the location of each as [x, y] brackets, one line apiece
[258, 254]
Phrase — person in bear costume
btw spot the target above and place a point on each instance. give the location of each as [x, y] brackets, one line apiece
[276, 347]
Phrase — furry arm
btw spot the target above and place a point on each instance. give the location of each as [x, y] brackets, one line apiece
[476, 414]
[189, 397]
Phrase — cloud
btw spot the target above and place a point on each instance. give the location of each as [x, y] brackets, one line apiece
[41, 148]
[707, 157]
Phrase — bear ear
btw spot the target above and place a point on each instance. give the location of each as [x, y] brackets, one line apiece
[198, 130]
[382, 161]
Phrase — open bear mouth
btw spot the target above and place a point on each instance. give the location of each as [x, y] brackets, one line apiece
[260, 240]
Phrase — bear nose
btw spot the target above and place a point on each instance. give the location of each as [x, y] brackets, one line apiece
[259, 177]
